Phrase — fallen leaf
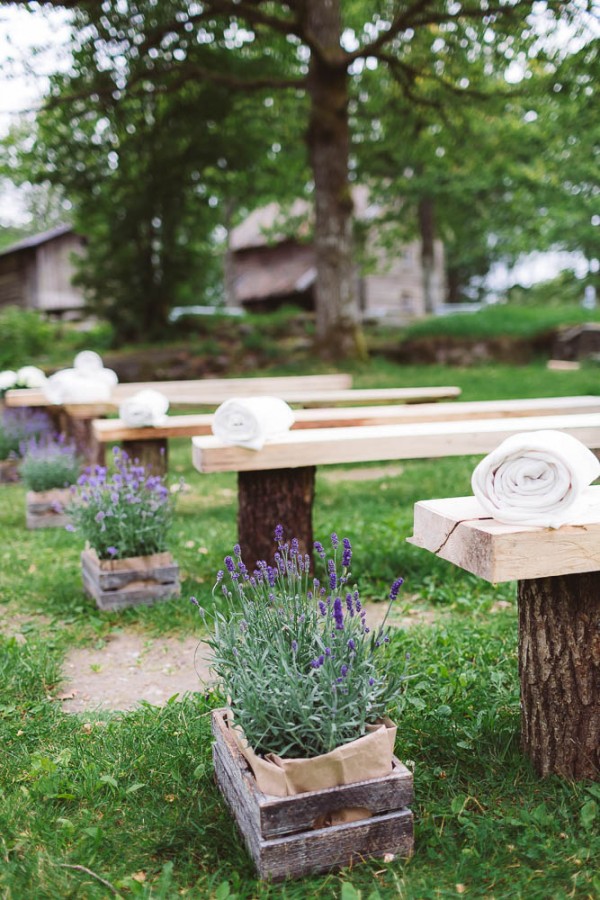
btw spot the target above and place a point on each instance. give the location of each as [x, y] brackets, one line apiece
[87, 728]
[170, 798]
[461, 888]
[32, 568]
[139, 876]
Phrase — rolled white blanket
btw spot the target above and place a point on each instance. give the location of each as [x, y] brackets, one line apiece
[89, 364]
[536, 478]
[146, 408]
[250, 421]
[68, 386]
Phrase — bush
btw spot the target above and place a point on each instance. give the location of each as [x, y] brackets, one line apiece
[49, 462]
[20, 425]
[25, 335]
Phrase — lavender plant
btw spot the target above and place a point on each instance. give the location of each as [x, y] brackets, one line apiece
[50, 461]
[295, 655]
[19, 425]
[123, 513]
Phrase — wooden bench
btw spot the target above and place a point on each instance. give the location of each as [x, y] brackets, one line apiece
[558, 590]
[75, 419]
[276, 484]
[150, 444]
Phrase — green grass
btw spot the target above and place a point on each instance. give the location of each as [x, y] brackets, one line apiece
[132, 794]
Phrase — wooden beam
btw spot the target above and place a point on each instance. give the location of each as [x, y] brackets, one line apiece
[457, 529]
[370, 443]
[113, 430]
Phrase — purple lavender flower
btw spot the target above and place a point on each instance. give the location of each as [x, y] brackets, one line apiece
[318, 662]
[371, 682]
[328, 651]
[112, 551]
[335, 541]
[237, 550]
[322, 608]
[344, 671]
[349, 604]
[294, 646]
[396, 587]
[278, 533]
[338, 613]
[347, 554]
[332, 575]
[229, 563]
[351, 645]
[319, 549]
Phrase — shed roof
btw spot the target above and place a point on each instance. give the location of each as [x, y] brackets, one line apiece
[35, 240]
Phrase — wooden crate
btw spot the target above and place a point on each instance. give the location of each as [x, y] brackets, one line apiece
[46, 509]
[282, 834]
[9, 471]
[119, 583]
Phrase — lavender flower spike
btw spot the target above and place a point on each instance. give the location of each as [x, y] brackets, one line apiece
[396, 587]
[338, 613]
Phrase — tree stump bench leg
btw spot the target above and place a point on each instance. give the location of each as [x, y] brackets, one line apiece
[559, 668]
[154, 454]
[274, 497]
[80, 430]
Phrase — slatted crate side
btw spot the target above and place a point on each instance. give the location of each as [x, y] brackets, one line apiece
[137, 587]
[307, 850]
[47, 509]
[324, 849]
[286, 815]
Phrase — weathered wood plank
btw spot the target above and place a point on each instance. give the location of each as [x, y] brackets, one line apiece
[459, 530]
[305, 849]
[114, 430]
[327, 446]
[47, 509]
[134, 586]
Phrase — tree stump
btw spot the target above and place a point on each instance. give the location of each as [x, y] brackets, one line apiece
[151, 454]
[559, 668]
[275, 497]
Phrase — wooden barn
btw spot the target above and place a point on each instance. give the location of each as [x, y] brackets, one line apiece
[273, 262]
[36, 272]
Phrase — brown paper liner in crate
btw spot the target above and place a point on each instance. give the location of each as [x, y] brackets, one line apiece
[369, 756]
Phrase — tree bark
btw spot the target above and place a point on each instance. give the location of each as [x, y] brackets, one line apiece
[154, 455]
[559, 666]
[427, 231]
[267, 499]
[328, 137]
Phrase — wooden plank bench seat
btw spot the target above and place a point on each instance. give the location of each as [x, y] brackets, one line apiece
[150, 444]
[75, 419]
[196, 392]
[276, 484]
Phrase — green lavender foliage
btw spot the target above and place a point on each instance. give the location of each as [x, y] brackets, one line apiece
[304, 671]
[49, 463]
[123, 513]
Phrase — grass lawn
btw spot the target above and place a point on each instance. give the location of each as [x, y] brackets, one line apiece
[124, 804]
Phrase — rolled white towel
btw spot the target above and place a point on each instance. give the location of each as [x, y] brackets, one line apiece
[250, 421]
[536, 478]
[146, 408]
[89, 364]
[69, 386]
[30, 377]
[8, 379]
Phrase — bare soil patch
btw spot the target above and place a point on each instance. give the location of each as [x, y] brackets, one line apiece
[130, 668]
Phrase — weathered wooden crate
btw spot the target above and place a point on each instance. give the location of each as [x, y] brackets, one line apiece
[283, 834]
[9, 471]
[138, 580]
[47, 509]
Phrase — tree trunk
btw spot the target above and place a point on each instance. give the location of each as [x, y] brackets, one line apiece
[154, 455]
[267, 499]
[427, 231]
[336, 289]
[559, 666]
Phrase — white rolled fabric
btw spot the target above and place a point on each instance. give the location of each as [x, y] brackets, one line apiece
[250, 421]
[536, 478]
[8, 379]
[69, 386]
[30, 377]
[88, 364]
[146, 408]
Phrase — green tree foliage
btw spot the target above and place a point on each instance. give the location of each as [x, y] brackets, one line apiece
[436, 56]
